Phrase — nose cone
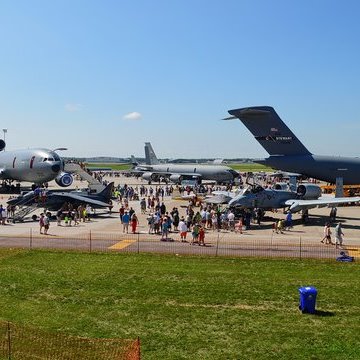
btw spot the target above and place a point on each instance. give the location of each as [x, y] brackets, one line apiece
[55, 168]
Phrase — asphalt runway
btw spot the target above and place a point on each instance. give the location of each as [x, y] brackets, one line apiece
[104, 233]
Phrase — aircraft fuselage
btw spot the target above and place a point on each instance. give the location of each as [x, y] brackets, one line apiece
[33, 165]
[326, 168]
[216, 173]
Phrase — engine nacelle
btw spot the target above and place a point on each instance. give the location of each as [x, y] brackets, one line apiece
[176, 178]
[64, 179]
[2, 145]
[308, 191]
[149, 176]
[281, 186]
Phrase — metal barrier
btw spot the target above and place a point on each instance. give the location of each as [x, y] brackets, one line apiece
[24, 342]
[216, 244]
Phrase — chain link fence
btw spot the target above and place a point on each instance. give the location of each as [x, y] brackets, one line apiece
[216, 244]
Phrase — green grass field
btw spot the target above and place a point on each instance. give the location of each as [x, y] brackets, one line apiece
[187, 307]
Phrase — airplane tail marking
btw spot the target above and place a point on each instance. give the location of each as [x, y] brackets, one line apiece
[270, 131]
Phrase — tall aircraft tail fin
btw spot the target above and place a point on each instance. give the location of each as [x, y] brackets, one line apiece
[106, 194]
[134, 162]
[270, 131]
[150, 157]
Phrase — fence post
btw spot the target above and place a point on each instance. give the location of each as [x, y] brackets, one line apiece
[300, 247]
[9, 340]
[138, 348]
[138, 243]
[31, 238]
[90, 245]
[217, 244]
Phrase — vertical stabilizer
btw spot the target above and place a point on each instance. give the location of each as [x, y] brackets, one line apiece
[270, 131]
[150, 157]
[134, 162]
[106, 194]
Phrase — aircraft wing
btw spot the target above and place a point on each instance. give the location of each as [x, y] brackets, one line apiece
[143, 168]
[86, 200]
[217, 199]
[168, 174]
[297, 204]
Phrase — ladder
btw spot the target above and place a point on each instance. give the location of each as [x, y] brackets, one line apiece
[95, 185]
[25, 210]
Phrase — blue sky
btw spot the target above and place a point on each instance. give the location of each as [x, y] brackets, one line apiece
[103, 77]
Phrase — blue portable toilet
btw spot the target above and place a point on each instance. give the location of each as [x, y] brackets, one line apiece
[307, 299]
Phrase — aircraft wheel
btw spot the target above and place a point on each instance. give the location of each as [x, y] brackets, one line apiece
[34, 217]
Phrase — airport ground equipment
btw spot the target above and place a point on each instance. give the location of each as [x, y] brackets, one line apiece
[95, 185]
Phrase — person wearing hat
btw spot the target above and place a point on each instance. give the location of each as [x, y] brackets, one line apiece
[182, 227]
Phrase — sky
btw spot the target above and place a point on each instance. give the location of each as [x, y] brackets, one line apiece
[102, 77]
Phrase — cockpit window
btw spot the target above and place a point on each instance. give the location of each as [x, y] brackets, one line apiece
[45, 159]
[51, 159]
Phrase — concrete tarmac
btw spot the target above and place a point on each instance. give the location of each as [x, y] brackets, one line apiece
[104, 233]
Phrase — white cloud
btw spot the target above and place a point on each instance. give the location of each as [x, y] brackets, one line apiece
[73, 107]
[132, 116]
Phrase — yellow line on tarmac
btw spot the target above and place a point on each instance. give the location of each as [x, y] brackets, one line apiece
[122, 244]
[353, 251]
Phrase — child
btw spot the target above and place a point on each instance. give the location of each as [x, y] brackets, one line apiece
[201, 236]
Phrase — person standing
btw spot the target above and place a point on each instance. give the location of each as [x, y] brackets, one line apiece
[338, 235]
[333, 212]
[134, 222]
[121, 212]
[327, 234]
[126, 221]
[182, 229]
[164, 229]
[289, 224]
[46, 224]
[41, 222]
[201, 236]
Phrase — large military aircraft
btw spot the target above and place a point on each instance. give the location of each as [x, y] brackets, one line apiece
[306, 196]
[288, 153]
[153, 170]
[33, 165]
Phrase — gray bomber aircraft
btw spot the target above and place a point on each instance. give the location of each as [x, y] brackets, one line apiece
[34, 165]
[288, 153]
[305, 197]
[153, 170]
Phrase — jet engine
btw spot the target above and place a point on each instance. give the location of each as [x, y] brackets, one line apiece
[281, 186]
[176, 178]
[308, 191]
[64, 179]
[149, 176]
[2, 145]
